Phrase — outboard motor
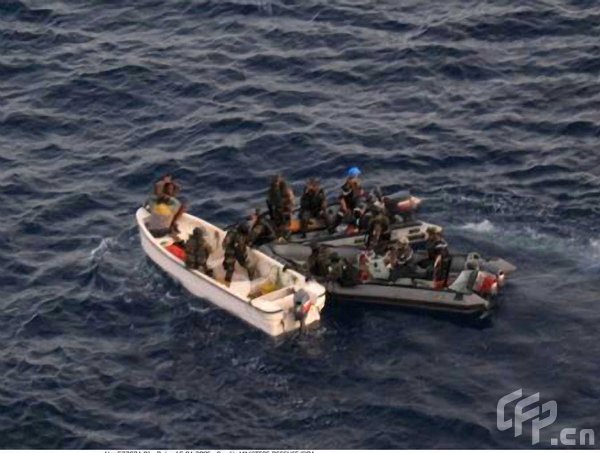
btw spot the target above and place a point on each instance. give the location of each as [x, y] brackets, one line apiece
[302, 304]
[486, 284]
[473, 279]
[402, 205]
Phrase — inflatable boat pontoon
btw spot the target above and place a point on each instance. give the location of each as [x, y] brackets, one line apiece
[470, 286]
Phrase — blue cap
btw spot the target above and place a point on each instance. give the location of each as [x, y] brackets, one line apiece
[353, 172]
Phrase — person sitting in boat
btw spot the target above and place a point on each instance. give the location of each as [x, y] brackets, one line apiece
[261, 229]
[164, 213]
[356, 221]
[352, 192]
[376, 198]
[280, 201]
[374, 203]
[319, 260]
[341, 271]
[379, 232]
[400, 261]
[235, 247]
[197, 251]
[313, 205]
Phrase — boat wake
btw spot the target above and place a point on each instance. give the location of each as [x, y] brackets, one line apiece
[484, 226]
[574, 245]
[595, 251]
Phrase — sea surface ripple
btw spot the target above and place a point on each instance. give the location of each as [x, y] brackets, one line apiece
[489, 110]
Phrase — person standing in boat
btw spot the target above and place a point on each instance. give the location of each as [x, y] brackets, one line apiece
[280, 201]
[167, 186]
[235, 247]
[261, 228]
[313, 205]
[164, 212]
[438, 254]
[197, 252]
[166, 191]
[436, 245]
[400, 261]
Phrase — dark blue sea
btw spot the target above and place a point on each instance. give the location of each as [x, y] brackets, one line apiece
[488, 110]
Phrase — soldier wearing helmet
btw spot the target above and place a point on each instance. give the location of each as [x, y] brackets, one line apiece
[313, 205]
[197, 251]
[319, 259]
[378, 232]
[235, 247]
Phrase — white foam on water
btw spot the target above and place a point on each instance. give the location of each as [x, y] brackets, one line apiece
[201, 310]
[584, 250]
[484, 226]
[535, 235]
[102, 248]
[595, 248]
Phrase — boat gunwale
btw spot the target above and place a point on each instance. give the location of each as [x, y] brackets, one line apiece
[413, 304]
[157, 245]
[446, 290]
[297, 239]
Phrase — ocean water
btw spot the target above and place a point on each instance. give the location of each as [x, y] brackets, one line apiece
[489, 110]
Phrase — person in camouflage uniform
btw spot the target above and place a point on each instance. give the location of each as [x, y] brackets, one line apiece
[235, 247]
[379, 232]
[313, 205]
[261, 228]
[197, 251]
[318, 261]
[280, 201]
[341, 271]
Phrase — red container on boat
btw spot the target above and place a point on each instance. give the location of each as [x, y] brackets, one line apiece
[176, 250]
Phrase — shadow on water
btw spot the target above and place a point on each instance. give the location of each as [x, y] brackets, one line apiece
[351, 314]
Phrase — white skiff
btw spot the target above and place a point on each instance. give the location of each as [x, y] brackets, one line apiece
[269, 302]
